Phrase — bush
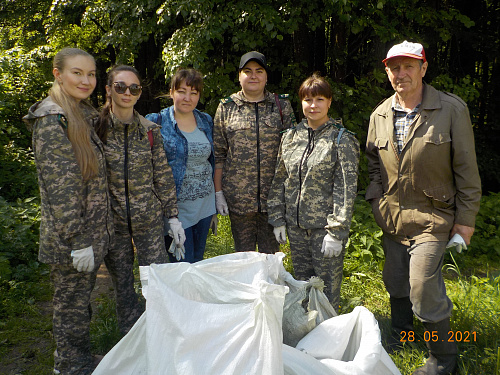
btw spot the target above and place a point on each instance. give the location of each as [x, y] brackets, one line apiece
[18, 173]
[485, 239]
[365, 238]
[19, 230]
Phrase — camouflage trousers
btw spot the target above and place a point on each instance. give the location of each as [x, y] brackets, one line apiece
[308, 261]
[71, 319]
[120, 264]
[253, 229]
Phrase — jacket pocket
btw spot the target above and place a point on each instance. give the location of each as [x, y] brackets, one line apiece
[382, 214]
[381, 143]
[240, 125]
[437, 138]
[442, 200]
[442, 197]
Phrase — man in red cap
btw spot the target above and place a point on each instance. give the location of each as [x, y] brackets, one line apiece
[425, 192]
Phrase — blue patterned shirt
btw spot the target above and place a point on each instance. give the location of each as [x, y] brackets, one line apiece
[402, 121]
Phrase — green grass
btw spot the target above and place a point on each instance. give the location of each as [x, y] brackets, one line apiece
[472, 284]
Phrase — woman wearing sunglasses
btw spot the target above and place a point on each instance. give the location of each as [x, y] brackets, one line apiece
[141, 186]
[187, 138]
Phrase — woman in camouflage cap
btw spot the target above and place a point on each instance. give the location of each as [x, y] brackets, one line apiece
[247, 132]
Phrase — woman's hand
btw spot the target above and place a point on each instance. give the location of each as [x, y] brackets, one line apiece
[280, 234]
[220, 203]
[331, 246]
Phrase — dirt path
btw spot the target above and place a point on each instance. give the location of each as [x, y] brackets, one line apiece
[103, 285]
[33, 353]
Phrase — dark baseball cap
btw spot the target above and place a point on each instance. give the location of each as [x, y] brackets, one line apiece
[258, 57]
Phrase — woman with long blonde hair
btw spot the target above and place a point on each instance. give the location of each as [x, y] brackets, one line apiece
[76, 221]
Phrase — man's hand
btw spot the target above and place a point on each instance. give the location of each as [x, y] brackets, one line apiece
[464, 231]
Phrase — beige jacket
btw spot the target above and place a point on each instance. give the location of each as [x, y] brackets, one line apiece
[434, 183]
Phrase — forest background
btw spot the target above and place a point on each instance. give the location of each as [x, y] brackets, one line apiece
[345, 40]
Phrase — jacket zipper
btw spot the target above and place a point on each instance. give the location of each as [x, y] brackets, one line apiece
[125, 171]
[103, 157]
[259, 207]
[307, 152]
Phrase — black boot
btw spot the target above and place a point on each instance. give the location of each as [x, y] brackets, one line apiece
[401, 323]
[442, 353]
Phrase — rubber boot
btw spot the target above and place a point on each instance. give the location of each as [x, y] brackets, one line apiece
[442, 353]
[401, 322]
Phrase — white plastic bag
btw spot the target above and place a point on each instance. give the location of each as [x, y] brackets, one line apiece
[219, 316]
[296, 362]
[349, 344]
[128, 357]
[200, 323]
[223, 316]
[305, 307]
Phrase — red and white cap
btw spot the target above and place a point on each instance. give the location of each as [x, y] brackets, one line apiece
[408, 49]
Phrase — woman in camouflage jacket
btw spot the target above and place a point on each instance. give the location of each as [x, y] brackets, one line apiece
[314, 188]
[76, 221]
[247, 132]
[141, 186]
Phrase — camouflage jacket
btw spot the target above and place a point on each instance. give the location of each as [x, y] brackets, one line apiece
[316, 178]
[246, 141]
[140, 179]
[74, 214]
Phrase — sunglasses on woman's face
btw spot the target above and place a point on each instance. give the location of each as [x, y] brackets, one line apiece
[121, 88]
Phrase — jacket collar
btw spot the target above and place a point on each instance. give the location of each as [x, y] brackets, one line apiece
[240, 99]
[201, 121]
[430, 101]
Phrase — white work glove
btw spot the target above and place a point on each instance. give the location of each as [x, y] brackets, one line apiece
[178, 251]
[176, 231]
[458, 242]
[83, 259]
[331, 246]
[220, 203]
[280, 234]
[213, 224]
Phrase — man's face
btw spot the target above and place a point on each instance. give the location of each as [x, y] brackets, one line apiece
[406, 74]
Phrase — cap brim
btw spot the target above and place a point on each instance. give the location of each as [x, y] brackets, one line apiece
[404, 55]
[253, 59]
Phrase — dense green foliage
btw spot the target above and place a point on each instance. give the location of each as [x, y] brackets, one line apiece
[345, 40]
[19, 223]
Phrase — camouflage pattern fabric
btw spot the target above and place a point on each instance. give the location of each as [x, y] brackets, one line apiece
[74, 214]
[253, 229]
[71, 319]
[316, 179]
[140, 179]
[246, 141]
[142, 192]
[308, 261]
[120, 264]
